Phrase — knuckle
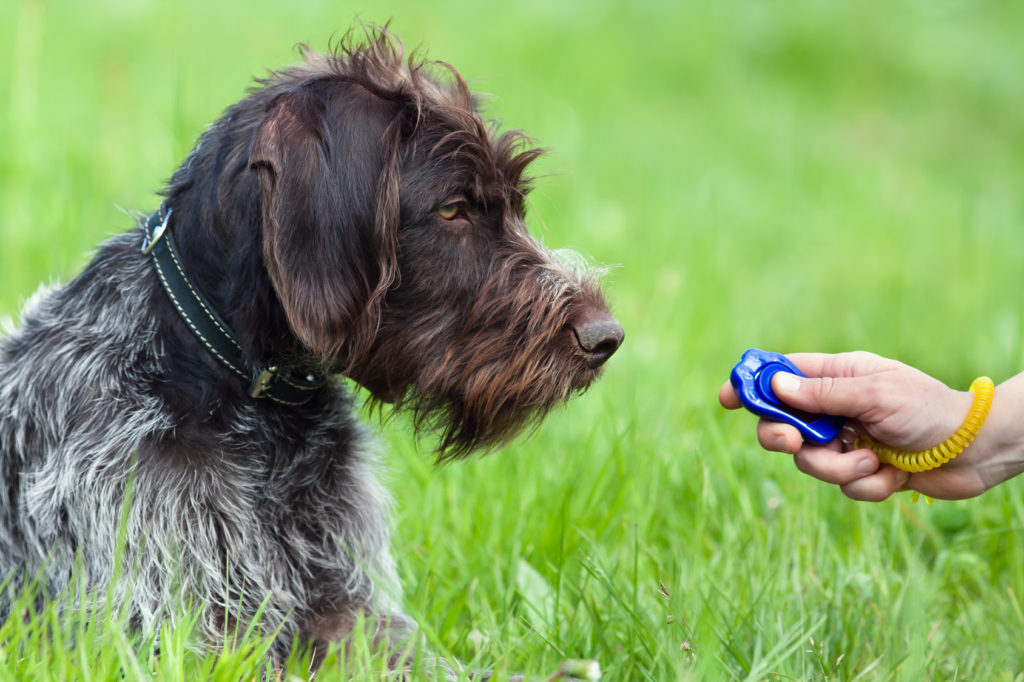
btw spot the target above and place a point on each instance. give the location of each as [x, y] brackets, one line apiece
[865, 362]
[804, 463]
[778, 437]
[824, 390]
[863, 357]
[865, 493]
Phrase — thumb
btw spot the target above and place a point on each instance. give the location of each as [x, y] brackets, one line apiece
[839, 396]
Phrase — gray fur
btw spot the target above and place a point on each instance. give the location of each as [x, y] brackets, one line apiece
[309, 216]
[76, 431]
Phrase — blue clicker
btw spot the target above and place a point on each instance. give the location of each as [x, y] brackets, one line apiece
[752, 379]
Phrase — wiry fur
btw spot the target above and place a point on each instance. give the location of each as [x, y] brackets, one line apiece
[308, 215]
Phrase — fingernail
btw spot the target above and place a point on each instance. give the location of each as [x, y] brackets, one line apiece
[866, 466]
[902, 477]
[781, 445]
[784, 382]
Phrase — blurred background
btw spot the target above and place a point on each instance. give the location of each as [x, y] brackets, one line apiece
[806, 175]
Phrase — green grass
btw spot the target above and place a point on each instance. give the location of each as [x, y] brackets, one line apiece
[801, 176]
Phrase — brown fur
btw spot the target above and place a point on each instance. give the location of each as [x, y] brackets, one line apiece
[353, 214]
[479, 342]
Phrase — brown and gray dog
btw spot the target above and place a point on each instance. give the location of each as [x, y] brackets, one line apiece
[353, 215]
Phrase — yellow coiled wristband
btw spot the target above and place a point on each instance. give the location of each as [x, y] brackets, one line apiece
[932, 458]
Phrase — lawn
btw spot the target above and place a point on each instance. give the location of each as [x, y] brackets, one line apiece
[801, 176]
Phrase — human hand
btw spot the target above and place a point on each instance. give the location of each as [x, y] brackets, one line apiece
[897, 405]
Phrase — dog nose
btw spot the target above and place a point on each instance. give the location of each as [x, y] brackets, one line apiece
[599, 335]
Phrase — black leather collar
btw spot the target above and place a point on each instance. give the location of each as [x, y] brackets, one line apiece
[280, 384]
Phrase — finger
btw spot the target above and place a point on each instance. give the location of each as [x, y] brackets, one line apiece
[878, 486]
[850, 364]
[845, 396]
[830, 466]
[778, 437]
[728, 398]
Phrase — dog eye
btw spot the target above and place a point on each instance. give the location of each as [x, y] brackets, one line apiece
[451, 210]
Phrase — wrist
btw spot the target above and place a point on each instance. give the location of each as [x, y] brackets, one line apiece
[999, 446]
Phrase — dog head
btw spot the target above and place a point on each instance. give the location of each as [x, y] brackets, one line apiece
[393, 233]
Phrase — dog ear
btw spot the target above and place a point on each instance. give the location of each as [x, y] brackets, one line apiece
[327, 162]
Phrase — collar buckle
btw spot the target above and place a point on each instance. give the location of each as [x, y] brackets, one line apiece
[274, 382]
[262, 381]
[149, 240]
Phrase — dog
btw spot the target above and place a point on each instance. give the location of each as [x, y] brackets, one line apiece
[181, 403]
